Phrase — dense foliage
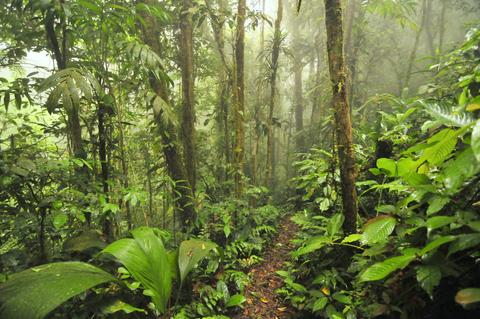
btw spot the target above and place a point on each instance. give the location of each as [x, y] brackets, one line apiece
[156, 155]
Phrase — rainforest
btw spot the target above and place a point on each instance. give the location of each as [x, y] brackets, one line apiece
[242, 159]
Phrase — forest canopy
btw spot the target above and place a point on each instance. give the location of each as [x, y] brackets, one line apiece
[239, 159]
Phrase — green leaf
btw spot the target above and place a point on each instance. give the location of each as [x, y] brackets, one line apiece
[338, 296]
[146, 259]
[429, 277]
[236, 300]
[335, 224]
[439, 221]
[464, 242]
[59, 220]
[382, 269]
[378, 229]
[312, 245]
[35, 292]
[468, 296]
[443, 144]
[387, 165]
[352, 238]
[119, 305]
[319, 304]
[436, 243]
[191, 252]
[436, 204]
[446, 117]
[476, 140]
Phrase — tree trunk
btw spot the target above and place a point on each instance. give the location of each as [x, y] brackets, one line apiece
[182, 191]
[223, 143]
[102, 154]
[188, 102]
[413, 53]
[300, 136]
[346, 156]
[269, 176]
[239, 93]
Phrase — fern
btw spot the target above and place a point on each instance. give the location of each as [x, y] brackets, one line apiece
[69, 86]
[445, 116]
[144, 56]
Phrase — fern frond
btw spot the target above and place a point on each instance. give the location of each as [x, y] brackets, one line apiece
[445, 116]
[69, 87]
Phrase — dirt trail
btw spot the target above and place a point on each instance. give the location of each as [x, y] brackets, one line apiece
[262, 301]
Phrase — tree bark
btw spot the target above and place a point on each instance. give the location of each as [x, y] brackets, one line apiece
[188, 97]
[269, 176]
[239, 93]
[346, 156]
[182, 191]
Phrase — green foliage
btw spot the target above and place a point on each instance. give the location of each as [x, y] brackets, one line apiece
[20, 295]
[147, 261]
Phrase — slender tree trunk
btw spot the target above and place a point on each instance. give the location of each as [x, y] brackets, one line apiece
[317, 111]
[239, 89]
[300, 137]
[182, 191]
[298, 87]
[223, 144]
[346, 156]
[188, 102]
[413, 53]
[269, 176]
[102, 154]
[124, 164]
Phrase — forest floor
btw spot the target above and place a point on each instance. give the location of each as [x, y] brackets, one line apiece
[262, 301]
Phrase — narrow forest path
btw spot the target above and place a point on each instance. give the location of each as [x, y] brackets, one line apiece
[262, 301]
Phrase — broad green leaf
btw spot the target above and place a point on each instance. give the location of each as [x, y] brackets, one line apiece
[436, 204]
[236, 300]
[382, 269]
[313, 244]
[436, 243]
[388, 165]
[429, 277]
[335, 224]
[378, 229]
[190, 253]
[319, 304]
[146, 259]
[439, 221]
[464, 242]
[476, 140]
[468, 296]
[345, 299]
[352, 238]
[35, 292]
[443, 144]
[459, 169]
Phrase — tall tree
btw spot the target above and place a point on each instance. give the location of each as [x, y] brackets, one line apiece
[277, 38]
[217, 18]
[343, 124]
[298, 86]
[413, 53]
[182, 190]
[239, 93]
[188, 98]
